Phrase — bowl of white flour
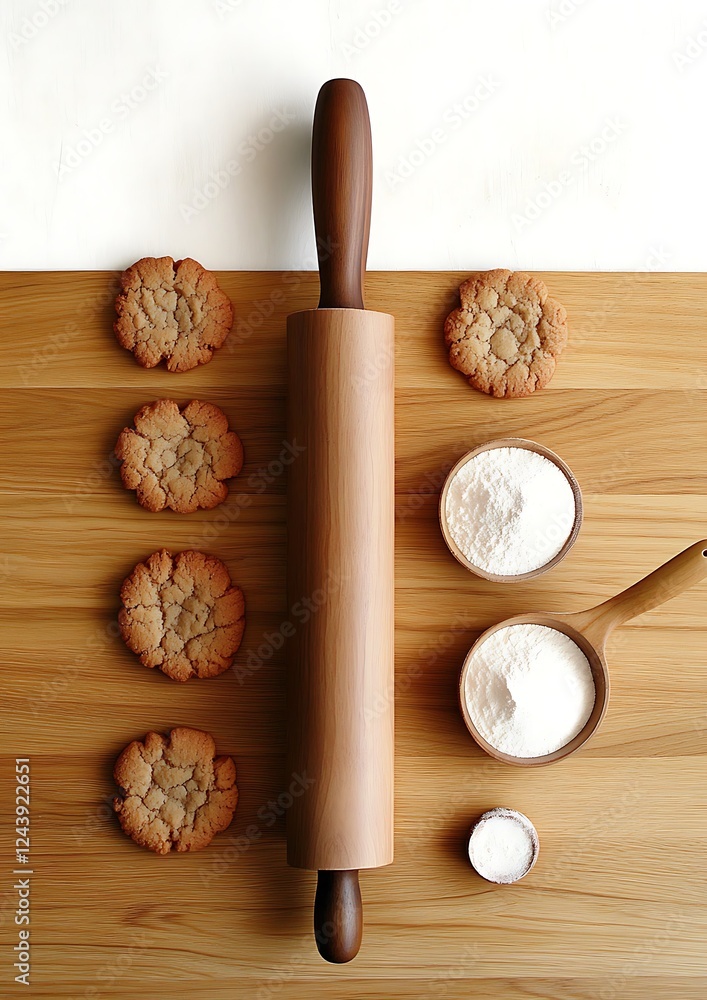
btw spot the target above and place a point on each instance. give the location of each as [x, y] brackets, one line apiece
[510, 510]
[530, 693]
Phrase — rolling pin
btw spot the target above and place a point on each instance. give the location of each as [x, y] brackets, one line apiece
[341, 519]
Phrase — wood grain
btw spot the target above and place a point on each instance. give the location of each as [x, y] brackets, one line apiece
[615, 906]
[341, 524]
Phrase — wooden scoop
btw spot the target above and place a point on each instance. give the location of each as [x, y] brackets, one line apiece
[590, 630]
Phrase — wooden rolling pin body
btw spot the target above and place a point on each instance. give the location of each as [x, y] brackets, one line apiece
[341, 586]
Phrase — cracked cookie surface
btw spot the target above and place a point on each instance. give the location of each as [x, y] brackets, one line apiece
[182, 614]
[171, 311]
[507, 333]
[179, 458]
[175, 793]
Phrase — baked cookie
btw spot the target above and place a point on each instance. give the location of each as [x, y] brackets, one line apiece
[181, 614]
[179, 458]
[507, 334]
[171, 311]
[175, 795]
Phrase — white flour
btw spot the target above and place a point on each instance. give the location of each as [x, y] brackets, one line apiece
[510, 510]
[529, 690]
[503, 845]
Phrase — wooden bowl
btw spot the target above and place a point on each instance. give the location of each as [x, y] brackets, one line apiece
[539, 449]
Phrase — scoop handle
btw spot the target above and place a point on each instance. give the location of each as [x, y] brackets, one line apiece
[338, 915]
[672, 578]
[342, 184]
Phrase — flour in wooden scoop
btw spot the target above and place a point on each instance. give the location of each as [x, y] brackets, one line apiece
[529, 690]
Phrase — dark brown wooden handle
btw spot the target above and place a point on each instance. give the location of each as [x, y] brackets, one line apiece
[342, 182]
[338, 915]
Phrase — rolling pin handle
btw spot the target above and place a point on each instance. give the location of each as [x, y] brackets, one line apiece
[342, 183]
[338, 915]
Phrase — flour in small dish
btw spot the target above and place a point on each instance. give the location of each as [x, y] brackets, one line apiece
[510, 510]
[503, 845]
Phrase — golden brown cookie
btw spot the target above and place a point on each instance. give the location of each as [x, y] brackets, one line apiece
[507, 334]
[179, 458]
[181, 614]
[171, 311]
[175, 795]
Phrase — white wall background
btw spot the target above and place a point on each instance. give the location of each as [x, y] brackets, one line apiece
[548, 134]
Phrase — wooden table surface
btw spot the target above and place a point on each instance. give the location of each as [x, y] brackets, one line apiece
[616, 906]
